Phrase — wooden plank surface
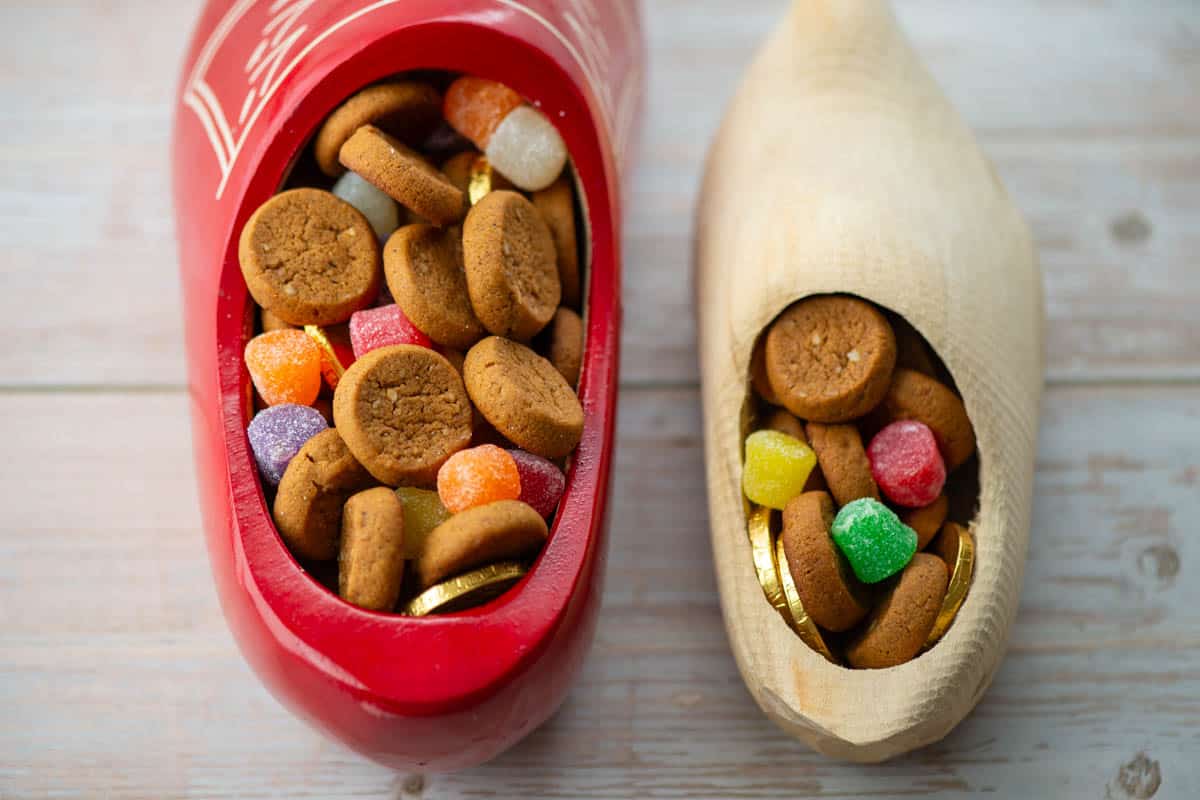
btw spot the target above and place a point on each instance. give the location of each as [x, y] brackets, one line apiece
[119, 679]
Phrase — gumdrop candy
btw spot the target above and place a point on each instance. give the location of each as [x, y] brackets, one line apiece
[277, 433]
[423, 511]
[475, 107]
[873, 539]
[542, 482]
[776, 468]
[478, 476]
[519, 141]
[381, 327]
[380, 210]
[906, 463]
[285, 366]
[527, 149]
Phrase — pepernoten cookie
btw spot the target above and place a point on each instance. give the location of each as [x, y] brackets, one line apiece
[404, 175]
[461, 167]
[403, 411]
[315, 486]
[901, 623]
[913, 395]
[497, 531]
[557, 206]
[408, 111]
[830, 358]
[843, 461]
[371, 558]
[830, 593]
[509, 258]
[927, 521]
[424, 271]
[310, 258]
[524, 397]
[565, 344]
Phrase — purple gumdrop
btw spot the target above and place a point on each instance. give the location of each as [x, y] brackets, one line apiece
[542, 482]
[277, 433]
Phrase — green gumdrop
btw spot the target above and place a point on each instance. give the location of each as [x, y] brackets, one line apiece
[873, 539]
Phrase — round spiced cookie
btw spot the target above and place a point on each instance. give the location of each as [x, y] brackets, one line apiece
[564, 347]
[831, 594]
[404, 175]
[315, 486]
[403, 411]
[499, 531]
[524, 397]
[310, 258]
[946, 545]
[843, 461]
[784, 421]
[371, 557]
[913, 395]
[900, 624]
[424, 271]
[557, 206]
[509, 258]
[406, 110]
[927, 521]
[758, 372]
[829, 358]
[460, 167]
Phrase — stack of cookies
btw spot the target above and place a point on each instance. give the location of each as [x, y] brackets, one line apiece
[421, 340]
[860, 475]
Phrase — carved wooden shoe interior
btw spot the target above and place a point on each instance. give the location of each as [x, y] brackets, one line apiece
[840, 167]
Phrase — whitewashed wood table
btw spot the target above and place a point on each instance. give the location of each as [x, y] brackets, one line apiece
[119, 679]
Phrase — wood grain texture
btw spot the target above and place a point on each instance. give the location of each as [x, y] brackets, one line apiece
[840, 167]
[118, 677]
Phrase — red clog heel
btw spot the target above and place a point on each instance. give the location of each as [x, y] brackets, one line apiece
[430, 693]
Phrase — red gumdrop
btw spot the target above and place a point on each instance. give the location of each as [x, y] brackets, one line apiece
[542, 482]
[906, 463]
[373, 328]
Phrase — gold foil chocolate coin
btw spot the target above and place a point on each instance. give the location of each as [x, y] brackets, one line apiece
[797, 617]
[960, 582]
[762, 549]
[464, 591]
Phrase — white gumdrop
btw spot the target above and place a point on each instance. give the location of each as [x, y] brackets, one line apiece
[527, 149]
[379, 209]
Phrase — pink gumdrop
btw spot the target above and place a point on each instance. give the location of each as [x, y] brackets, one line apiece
[542, 482]
[906, 463]
[381, 327]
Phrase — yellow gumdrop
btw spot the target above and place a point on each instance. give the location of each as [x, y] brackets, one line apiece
[776, 468]
[423, 511]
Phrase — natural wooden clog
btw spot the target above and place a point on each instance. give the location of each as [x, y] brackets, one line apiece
[840, 167]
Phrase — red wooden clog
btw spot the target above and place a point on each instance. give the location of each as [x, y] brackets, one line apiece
[432, 693]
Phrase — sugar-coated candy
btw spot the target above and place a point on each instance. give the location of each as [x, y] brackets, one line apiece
[478, 476]
[380, 210]
[475, 107]
[518, 140]
[277, 433]
[906, 463]
[873, 539]
[776, 469]
[527, 149]
[285, 366]
[423, 511]
[542, 482]
[382, 327]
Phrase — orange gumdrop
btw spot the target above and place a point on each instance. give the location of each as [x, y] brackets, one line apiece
[285, 366]
[475, 106]
[478, 476]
